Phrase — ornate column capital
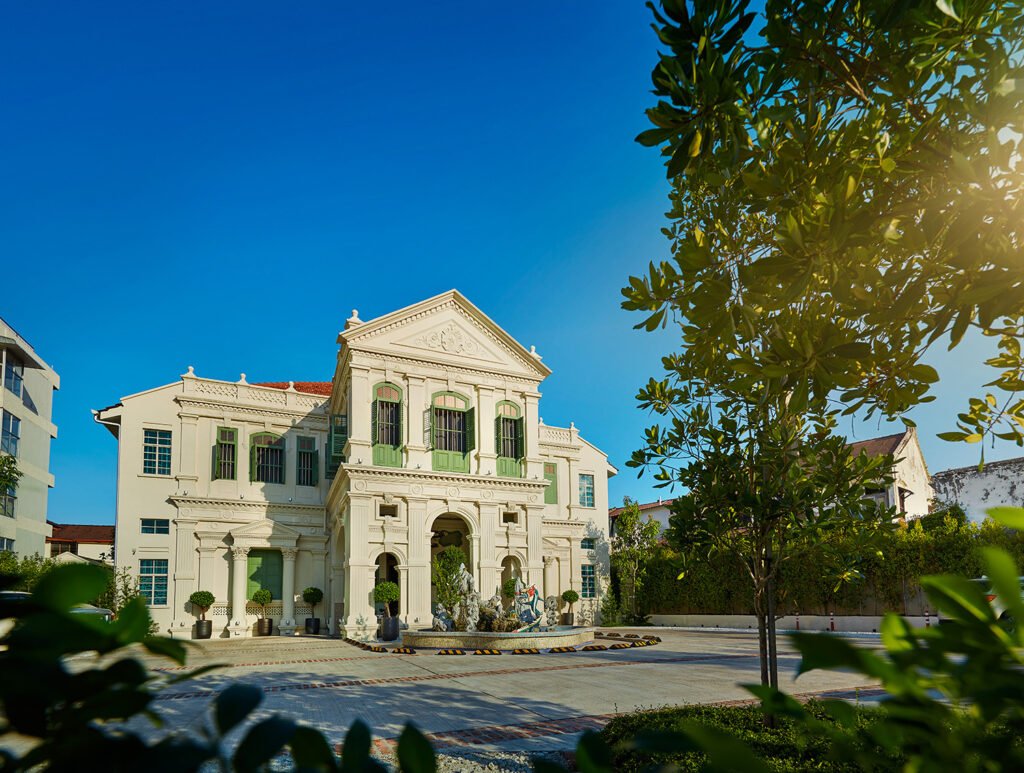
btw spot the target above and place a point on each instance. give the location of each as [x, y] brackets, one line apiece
[238, 553]
[289, 554]
[548, 560]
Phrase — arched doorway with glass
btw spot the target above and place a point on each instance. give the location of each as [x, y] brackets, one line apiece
[450, 532]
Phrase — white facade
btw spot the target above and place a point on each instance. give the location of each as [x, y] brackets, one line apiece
[996, 484]
[911, 490]
[428, 435]
[26, 408]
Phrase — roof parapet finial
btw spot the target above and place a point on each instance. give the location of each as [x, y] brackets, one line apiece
[572, 427]
[541, 420]
[291, 386]
[354, 320]
[191, 373]
[242, 380]
[533, 353]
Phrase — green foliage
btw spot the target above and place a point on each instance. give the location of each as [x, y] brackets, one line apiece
[638, 739]
[886, 579]
[444, 571]
[845, 195]
[28, 570]
[611, 614]
[508, 588]
[88, 712]
[385, 593]
[9, 472]
[262, 599]
[312, 596]
[202, 600]
[570, 597]
[631, 546]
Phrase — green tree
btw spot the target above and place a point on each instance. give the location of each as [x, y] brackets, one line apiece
[632, 545]
[444, 570]
[9, 472]
[846, 193]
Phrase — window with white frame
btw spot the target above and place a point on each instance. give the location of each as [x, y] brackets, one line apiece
[11, 433]
[588, 585]
[156, 452]
[586, 490]
[153, 580]
[6, 544]
[156, 526]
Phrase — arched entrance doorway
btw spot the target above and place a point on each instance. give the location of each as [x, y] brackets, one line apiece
[510, 567]
[450, 532]
[387, 571]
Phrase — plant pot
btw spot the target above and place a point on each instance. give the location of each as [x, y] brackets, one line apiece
[389, 628]
[264, 626]
[204, 629]
[567, 618]
[313, 625]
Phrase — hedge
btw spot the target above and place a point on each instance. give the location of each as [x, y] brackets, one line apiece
[940, 544]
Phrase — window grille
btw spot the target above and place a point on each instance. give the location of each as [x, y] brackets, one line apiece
[587, 490]
[156, 452]
[153, 580]
[267, 464]
[10, 434]
[225, 465]
[449, 430]
[588, 586]
[306, 462]
[388, 423]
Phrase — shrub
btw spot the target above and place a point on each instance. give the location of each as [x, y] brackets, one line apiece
[262, 598]
[385, 593]
[508, 588]
[312, 596]
[570, 597]
[202, 600]
[445, 574]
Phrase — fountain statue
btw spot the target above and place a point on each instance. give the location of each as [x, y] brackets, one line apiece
[442, 620]
[551, 611]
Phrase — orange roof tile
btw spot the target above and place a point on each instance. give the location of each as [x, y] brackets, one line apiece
[308, 387]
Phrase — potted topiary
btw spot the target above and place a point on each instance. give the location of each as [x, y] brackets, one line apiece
[261, 598]
[570, 597]
[202, 600]
[385, 593]
[312, 596]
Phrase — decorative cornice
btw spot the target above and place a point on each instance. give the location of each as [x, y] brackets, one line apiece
[318, 414]
[470, 371]
[211, 503]
[429, 476]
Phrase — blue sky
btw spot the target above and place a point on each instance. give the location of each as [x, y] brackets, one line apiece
[218, 185]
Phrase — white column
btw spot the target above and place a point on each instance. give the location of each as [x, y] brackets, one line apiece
[534, 462]
[287, 626]
[359, 418]
[239, 571]
[184, 576]
[486, 454]
[418, 611]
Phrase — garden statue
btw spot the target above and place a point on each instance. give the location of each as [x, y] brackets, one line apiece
[466, 582]
[472, 603]
[527, 602]
[551, 611]
[442, 620]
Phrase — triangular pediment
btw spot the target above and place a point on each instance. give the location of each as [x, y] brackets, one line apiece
[265, 531]
[446, 329]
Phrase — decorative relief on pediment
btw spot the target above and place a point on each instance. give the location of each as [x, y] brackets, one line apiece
[451, 339]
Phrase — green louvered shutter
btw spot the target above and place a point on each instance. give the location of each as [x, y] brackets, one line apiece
[374, 409]
[266, 569]
[470, 430]
[497, 434]
[428, 428]
[520, 439]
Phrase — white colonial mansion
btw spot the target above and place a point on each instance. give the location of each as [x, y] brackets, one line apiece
[429, 435]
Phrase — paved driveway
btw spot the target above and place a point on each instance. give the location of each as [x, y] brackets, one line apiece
[523, 702]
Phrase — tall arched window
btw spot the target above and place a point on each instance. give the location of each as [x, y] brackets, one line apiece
[266, 458]
[386, 431]
[509, 440]
[449, 424]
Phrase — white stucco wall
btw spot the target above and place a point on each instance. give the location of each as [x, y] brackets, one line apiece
[998, 483]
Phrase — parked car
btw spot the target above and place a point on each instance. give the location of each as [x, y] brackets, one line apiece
[1004, 616]
[89, 609]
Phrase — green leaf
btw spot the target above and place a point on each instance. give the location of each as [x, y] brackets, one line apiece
[263, 741]
[593, 755]
[725, 751]
[166, 646]
[65, 586]
[695, 144]
[132, 624]
[415, 754]
[1003, 575]
[958, 597]
[355, 752]
[310, 750]
[1013, 517]
[234, 704]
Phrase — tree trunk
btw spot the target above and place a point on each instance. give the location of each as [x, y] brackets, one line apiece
[773, 654]
[762, 633]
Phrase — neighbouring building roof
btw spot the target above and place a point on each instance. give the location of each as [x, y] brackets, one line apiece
[617, 511]
[81, 532]
[879, 446]
[309, 387]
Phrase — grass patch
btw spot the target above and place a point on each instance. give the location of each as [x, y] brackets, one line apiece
[787, 747]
